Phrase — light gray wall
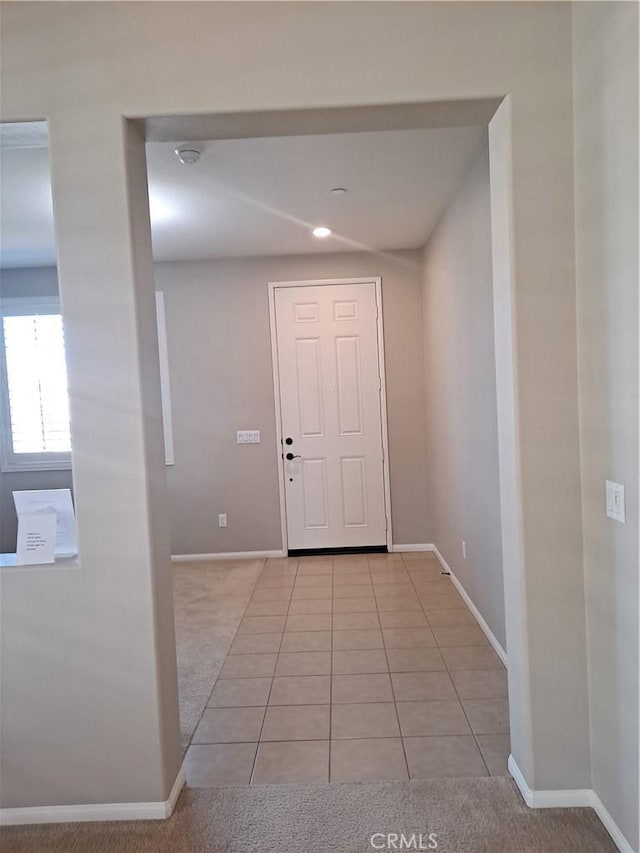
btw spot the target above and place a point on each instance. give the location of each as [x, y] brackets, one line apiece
[460, 372]
[98, 640]
[58, 61]
[29, 281]
[605, 42]
[221, 380]
[15, 283]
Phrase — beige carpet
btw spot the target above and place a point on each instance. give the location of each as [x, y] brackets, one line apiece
[209, 600]
[467, 816]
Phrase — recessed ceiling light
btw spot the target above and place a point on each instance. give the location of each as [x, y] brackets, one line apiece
[339, 191]
[321, 231]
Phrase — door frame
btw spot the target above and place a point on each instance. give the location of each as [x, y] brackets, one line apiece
[377, 281]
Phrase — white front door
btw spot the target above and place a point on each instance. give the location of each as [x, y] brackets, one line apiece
[330, 401]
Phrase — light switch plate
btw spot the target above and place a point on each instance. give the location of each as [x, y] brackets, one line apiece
[615, 501]
[248, 436]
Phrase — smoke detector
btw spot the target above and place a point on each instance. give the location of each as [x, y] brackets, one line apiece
[188, 155]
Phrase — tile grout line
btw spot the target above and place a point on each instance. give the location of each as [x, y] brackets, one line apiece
[333, 569]
[426, 616]
[260, 741]
[448, 671]
[255, 754]
[395, 701]
[371, 592]
[217, 678]
[330, 672]
[469, 723]
[273, 678]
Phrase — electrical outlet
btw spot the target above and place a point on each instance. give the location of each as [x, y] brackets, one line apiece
[222, 519]
[464, 550]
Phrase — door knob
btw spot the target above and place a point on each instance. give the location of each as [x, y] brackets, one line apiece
[291, 456]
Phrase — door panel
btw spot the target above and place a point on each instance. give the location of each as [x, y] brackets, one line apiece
[306, 312]
[310, 398]
[345, 310]
[327, 353]
[354, 492]
[315, 500]
[349, 386]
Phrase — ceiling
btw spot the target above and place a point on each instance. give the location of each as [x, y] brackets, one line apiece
[260, 196]
[26, 213]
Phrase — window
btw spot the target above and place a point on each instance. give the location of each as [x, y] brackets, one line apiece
[35, 424]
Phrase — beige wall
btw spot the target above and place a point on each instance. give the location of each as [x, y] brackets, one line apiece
[14, 283]
[84, 67]
[605, 41]
[460, 371]
[221, 381]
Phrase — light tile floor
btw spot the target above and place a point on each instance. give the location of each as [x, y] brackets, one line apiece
[354, 668]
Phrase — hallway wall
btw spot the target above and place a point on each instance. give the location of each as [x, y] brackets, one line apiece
[606, 141]
[219, 347]
[460, 374]
[85, 66]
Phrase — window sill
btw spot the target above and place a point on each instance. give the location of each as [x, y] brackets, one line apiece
[24, 467]
[8, 564]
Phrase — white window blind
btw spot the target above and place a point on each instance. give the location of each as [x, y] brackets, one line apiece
[36, 384]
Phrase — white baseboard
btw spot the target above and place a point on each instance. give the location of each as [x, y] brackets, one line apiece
[95, 811]
[258, 555]
[610, 825]
[562, 799]
[467, 600]
[565, 799]
[226, 555]
[421, 547]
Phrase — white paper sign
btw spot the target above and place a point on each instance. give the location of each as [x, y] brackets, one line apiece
[59, 500]
[37, 537]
